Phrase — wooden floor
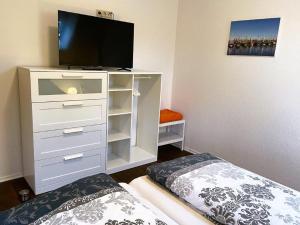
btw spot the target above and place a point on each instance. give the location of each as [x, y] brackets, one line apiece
[9, 189]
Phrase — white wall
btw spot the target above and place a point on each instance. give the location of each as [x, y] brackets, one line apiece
[29, 37]
[244, 109]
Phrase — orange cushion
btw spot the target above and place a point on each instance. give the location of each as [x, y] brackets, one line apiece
[167, 115]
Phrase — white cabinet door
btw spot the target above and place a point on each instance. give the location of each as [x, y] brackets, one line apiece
[49, 116]
[65, 85]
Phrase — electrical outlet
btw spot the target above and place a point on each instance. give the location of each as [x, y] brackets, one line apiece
[105, 14]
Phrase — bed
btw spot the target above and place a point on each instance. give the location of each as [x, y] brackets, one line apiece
[93, 200]
[194, 190]
[205, 188]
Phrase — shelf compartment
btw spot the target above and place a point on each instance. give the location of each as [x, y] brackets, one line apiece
[171, 133]
[119, 128]
[141, 156]
[120, 103]
[114, 161]
[169, 138]
[118, 154]
[120, 82]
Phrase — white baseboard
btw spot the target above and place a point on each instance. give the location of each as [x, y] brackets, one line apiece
[10, 177]
[190, 150]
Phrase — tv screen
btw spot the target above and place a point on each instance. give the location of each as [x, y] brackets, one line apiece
[91, 41]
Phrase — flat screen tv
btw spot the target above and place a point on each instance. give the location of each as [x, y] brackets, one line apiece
[88, 41]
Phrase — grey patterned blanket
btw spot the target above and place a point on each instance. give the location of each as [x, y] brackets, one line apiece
[228, 194]
[93, 200]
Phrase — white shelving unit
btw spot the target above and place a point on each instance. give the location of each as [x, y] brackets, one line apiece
[172, 133]
[133, 117]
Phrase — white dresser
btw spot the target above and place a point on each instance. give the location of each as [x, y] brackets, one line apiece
[63, 116]
[78, 123]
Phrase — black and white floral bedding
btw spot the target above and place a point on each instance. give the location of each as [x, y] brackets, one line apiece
[226, 193]
[94, 200]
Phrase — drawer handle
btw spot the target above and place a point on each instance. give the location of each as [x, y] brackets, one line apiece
[71, 76]
[66, 104]
[76, 156]
[73, 130]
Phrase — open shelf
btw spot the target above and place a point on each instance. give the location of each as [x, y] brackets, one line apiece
[138, 157]
[169, 138]
[116, 135]
[118, 111]
[173, 123]
[119, 88]
[119, 127]
[171, 133]
[119, 103]
[120, 82]
[118, 155]
[114, 161]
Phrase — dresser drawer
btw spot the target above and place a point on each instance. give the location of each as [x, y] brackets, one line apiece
[65, 169]
[55, 143]
[66, 85]
[61, 115]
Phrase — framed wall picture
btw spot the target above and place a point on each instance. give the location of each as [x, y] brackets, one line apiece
[253, 37]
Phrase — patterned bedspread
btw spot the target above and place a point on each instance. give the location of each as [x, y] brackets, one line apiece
[226, 193]
[94, 200]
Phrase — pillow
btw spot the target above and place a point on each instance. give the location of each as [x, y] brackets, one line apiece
[160, 172]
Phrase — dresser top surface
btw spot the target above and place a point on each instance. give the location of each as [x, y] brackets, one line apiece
[63, 69]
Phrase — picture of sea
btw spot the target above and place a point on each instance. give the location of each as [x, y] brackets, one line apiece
[253, 37]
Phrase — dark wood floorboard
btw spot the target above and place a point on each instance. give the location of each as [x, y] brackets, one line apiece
[9, 190]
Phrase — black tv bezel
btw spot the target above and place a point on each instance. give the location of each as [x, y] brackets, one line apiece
[91, 66]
